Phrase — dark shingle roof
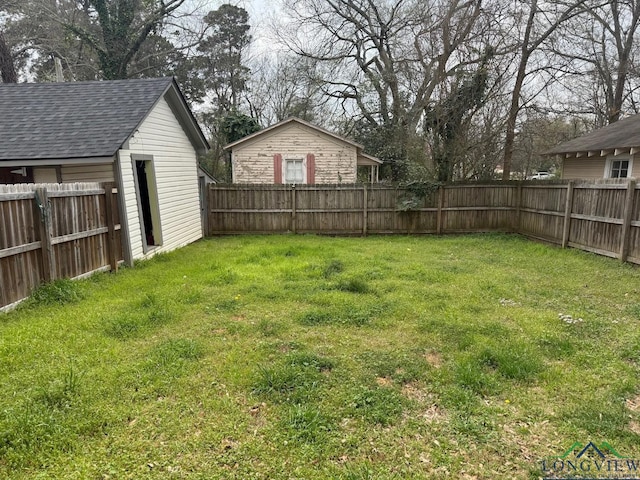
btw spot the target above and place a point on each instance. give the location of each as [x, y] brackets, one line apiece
[73, 120]
[622, 135]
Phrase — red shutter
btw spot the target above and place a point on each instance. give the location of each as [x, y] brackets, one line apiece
[277, 168]
[311, 168]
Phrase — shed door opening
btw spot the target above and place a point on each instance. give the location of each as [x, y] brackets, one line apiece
[144, 179]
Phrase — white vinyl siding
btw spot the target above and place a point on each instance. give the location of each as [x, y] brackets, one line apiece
[176, 176]
[335, 160]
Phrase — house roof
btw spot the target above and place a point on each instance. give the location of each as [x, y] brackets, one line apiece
[84, 119]
[621, 135]
[292, 120]
[364, 159]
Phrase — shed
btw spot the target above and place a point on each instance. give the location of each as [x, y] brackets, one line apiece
[296, 152]
[608, 152]
[138, 133]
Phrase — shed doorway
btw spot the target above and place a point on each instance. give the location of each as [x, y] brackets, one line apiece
[147, 203]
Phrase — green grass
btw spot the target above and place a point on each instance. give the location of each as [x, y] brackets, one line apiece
[313, 357]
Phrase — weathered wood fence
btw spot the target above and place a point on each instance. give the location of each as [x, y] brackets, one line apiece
[599, 217]
[55, 231]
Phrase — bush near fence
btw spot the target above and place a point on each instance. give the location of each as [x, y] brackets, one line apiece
[601, 217]
[55, 231]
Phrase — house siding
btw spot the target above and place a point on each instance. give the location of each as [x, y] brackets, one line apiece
[87, 173]
[175, 169]
[592, 168]
[45, 175]
[335, 161]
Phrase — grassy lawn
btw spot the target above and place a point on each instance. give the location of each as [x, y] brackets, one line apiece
[313, 357]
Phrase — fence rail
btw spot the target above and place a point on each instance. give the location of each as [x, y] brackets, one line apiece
[602, 217]
[52, 231]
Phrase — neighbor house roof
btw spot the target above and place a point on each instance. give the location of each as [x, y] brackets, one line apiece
[84, 119]
[621, 135]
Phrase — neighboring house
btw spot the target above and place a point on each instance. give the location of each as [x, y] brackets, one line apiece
[138, 133]
[297, 152]
[609, 152]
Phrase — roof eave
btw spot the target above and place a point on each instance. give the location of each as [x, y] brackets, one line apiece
[43, 162]
[178, 103]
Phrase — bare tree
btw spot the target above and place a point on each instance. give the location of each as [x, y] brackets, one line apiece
[542, 20]
[387, 57]
[602, 50]
[284, 86]
[7, 66]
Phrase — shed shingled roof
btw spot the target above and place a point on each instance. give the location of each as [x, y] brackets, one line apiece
[622, 134]
[75, 119]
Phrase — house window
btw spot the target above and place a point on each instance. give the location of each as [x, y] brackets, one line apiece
[618, 167]
[294, 171]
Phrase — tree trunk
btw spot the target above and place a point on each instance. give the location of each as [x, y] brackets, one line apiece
[512, 118]
[7, 67]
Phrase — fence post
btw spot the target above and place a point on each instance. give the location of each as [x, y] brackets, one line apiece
[42, 210]
[567, 214]
[294, 226]
[626, 225]
[518, 206]
[440, 206]
[365, 210]
[204, 202]
[111, 226]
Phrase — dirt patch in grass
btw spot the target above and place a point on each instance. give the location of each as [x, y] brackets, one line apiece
[384, 381]
[633, 404]
[434, 359]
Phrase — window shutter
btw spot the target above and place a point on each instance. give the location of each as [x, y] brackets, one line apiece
[277, 168]
[311, 168]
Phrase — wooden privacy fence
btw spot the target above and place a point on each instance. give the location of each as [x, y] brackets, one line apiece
[53, 231]
[599, 217]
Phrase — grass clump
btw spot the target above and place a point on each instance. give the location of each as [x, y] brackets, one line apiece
[353, 285]
[131, 322]
[333, 268]
[59, 292]
[341, 315]
[513, 361]
[292, 379]
[474, 376]
[400, 366]
[377, 405]
[61, 392]
[306, 423]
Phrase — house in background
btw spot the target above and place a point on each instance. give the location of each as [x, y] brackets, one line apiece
[297, 152]
[609, 152]
[137, 133]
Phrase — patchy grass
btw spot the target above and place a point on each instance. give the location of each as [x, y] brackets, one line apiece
[310, 357]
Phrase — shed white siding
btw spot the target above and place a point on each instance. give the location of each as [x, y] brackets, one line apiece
[175, 169]
[335, 161]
